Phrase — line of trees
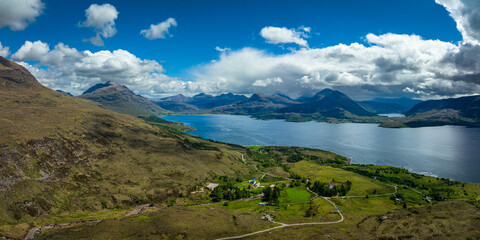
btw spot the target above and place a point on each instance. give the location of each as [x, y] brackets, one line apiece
[229, 192]
[271, 195]
[327, 190]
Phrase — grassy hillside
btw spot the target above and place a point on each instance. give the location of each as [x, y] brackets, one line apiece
[366, 215]
[60, 154]
[362, 185]
[105, 175]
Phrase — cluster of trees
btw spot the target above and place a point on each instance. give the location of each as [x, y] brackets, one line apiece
[440, 194]
[383, 177]
[295, 183]
[311, 211]
[327, 190]
[265, 155]
[294, 158]
[271, 195]
[229, 192]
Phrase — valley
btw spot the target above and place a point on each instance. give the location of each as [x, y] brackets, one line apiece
[298, 211]
[326, 106]
[220, 120]
[78, 170]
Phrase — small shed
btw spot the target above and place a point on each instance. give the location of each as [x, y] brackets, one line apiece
[267, 218]
[212, 186]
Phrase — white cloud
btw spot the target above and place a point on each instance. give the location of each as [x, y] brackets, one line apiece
[466, 14]
[382, 65]
[160, 30]
[389, 65]
[102, 19]
[18, 14]
[276, 35]
[222, 49]
[305, 29]
[267, 82]
[33, 51]
[75, 71]
[4, 51]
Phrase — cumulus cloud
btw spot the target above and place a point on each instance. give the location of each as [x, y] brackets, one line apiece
[102, 19]
[390, 65]
[31, 51]
[160, 30]
[267, 82]
[276, 35]
[18, 14]
[4, 51]
[381, 65]
[222, 49]
[385, 65]
[466, 14]
[75, 71]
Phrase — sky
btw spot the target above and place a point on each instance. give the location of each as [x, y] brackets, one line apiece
[424, 49]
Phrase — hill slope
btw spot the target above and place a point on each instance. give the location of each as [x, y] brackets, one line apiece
[257, 104]
[464, 111]
[380, 107]
[329, 103]
[403, 101]
[467, 106]
[63, 154]
[205, 101]
[121, 99]
[199, 103]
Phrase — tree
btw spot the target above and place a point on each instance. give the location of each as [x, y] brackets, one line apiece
[309, 211]
[267, 194]
[275, 194]
[216, 195]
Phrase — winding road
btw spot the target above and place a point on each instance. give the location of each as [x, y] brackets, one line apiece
[283, 225]
[243, 159]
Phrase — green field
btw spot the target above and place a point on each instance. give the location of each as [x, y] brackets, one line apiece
[361, 185]
[295, 195]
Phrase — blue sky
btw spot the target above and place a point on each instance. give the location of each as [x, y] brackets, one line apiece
[203, 25]
[187, 51]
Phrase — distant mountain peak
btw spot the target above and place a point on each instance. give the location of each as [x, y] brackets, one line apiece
[283, 96]
[99, 86]
[327, 90]
[257, 97]
[60, 91]
[324, 93]
[203, 95]
[331, 103]
[121, 99]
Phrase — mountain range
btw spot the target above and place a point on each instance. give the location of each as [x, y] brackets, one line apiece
[327, 105]
[199, 103]
[72, 169]
[464, 111]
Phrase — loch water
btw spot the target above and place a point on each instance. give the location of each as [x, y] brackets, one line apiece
[447, 151]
